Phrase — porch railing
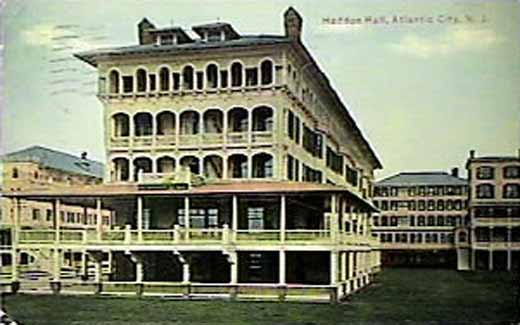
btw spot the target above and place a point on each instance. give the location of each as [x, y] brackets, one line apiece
[194, 236]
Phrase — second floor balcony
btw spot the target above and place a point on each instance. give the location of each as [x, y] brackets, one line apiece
[189, 128]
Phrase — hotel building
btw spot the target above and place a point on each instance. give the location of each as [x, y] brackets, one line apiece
[494, 207]
[233, 169]
[419, 215]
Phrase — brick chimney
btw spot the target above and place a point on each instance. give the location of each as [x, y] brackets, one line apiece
[84, 155]
[471, 154]
[292, 23]
[143, 31]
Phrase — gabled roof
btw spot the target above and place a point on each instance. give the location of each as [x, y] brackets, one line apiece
[57, 160]
[218, 26]
[422, 178]
[182, 37]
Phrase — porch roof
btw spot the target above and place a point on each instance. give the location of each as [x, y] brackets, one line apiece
[257, 187]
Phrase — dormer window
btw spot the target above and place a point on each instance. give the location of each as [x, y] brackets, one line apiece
[214, 36]
[166, 39]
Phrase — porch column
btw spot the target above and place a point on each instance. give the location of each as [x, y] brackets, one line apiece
[154, 139]
[56, 259]
[490, 266]
[187, 216]
[333, 222]
[140, 218]
[509, 252]
[233, 260]
[473, 259]
[249, 126]
[249, 166]
[185, 272]
[509, 235]
[224, 129]
[281, 268]
[234, 217]
[224, 167]
[15, 239]
[283, 218]
[350, 261]
[139, 273]
[99, 219]
[343, 266]
[333, 267]
[57, 219]
[177, 131]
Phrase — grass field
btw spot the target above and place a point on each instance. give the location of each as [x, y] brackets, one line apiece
[398, 296]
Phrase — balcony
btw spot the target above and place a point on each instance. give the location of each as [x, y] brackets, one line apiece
[193, 236]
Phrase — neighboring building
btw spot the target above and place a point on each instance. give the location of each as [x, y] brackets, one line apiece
[419, 214]
[494, 205]
[233, 169]
[37, 168]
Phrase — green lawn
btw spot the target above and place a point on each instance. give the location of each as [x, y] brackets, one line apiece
[399, 296]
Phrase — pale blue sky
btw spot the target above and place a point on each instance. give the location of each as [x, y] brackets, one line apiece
[423, 94]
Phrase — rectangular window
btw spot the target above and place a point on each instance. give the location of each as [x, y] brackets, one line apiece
[511, 172]
[166, 39]
[334, 161]
[290, 124]
[422, 205]
[49, 215]
[485, 172]
[36, 214]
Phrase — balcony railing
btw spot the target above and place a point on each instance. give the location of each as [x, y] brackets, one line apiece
[233, 138]
[194, 236]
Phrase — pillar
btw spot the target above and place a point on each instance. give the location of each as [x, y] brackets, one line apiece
[473, 259]
[57, 219]
[333, 268]
[139, 272]
[185, 273]
[233, 260]
[350, 261]
[56, 259]
[99, 219]
[140, 218]
[281, 268]
[343, 266]
[490, 260]
[187, 216]
[283, 220]
[234, 217]
[509, 253]
[14, 246]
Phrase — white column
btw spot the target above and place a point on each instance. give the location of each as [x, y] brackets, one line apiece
[333, 267]
[509, 252]
[350, 261]
[283, 220]
[15, 239]
[185, 273]
[140, 218]
[281, 268]
[139, 274]
[225, 167]
[249, 165]
[490, 260]
[99, 220]
[56, 259]
[234, 217]
[187, 216]
[249, 127]
[177, 130]
[234, 267]
[57, 219]
[343, 266]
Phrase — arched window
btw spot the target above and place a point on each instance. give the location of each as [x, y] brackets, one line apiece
[511, 191]
[238, 119]
[485, 191]
[236, 74]
[213, 120]
[165, 165]
[263, 118]
[143, 124]
[121, 125]
[164, 79]
[114, 82]
[213, 166]
[237, 165]
[462, 237]
[188, 77]
[189, 122]
[165, 123]
[192, 163]
[121, 170]
[262, 165]
[142, 165]
[141, 80]
[212, 76]
[266, 69]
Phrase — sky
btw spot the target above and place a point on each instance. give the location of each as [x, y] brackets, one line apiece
[423, 94]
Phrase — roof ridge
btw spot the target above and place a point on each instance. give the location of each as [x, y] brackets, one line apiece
[56, 151]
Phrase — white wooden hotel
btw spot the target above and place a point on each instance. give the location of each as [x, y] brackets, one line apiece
[234, 170]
